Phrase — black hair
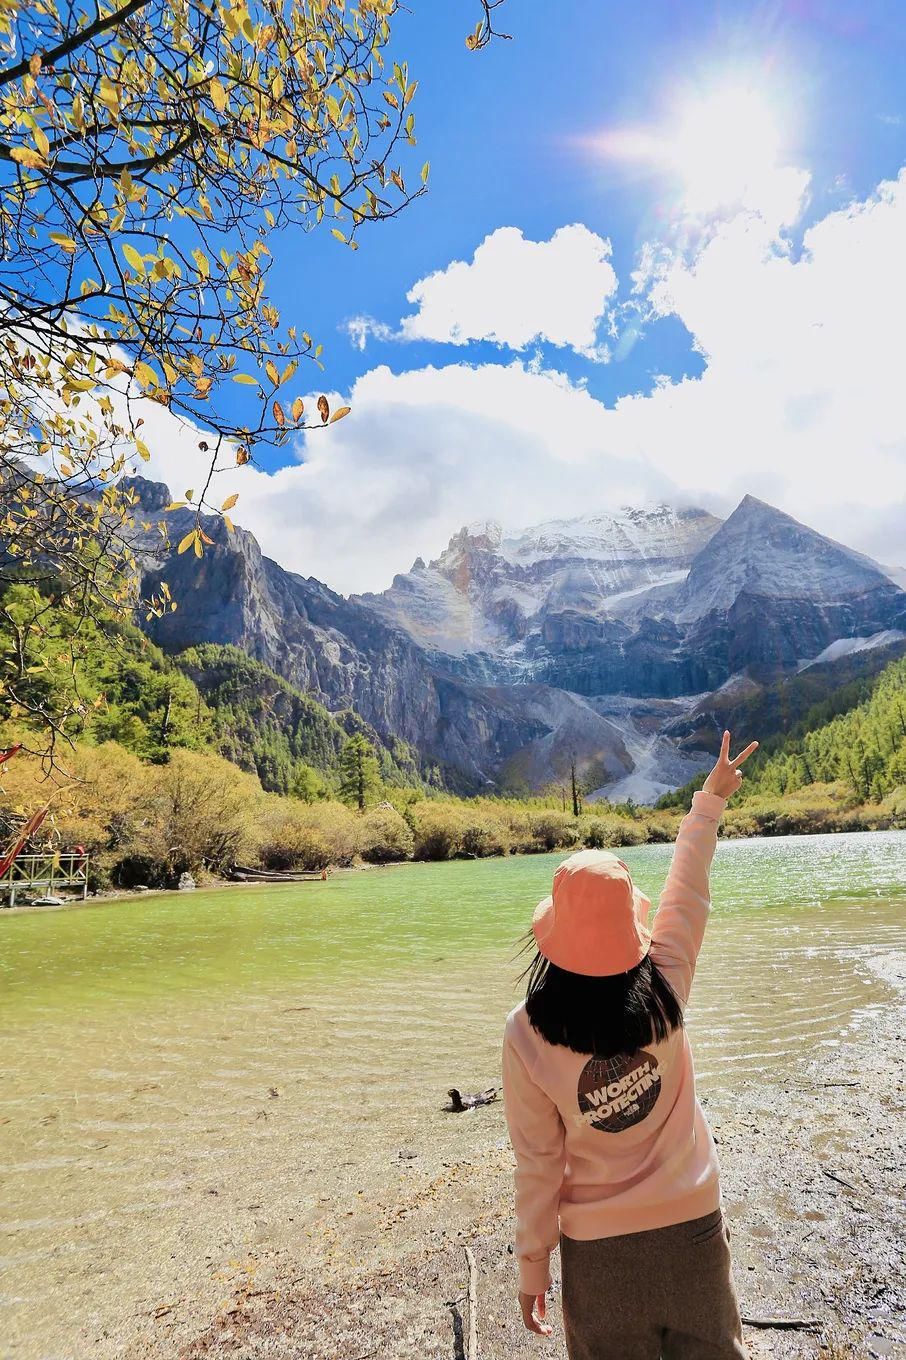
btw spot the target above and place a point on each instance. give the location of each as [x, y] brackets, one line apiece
[603, 1016]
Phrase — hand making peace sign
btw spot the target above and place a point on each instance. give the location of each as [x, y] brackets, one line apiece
[726, 777]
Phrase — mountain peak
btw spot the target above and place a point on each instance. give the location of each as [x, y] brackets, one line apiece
[484, 533]
[750, 502]
[762, 551]
[153, 497]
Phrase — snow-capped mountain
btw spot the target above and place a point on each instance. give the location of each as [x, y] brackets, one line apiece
[491, 594]
[656, 602]
[619, 640]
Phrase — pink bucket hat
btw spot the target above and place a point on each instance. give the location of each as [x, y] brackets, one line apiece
[594, 922]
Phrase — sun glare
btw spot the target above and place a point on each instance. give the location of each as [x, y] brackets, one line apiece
[724, 145]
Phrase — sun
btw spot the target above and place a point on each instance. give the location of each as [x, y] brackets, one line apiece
[720, 145]
[724, 146]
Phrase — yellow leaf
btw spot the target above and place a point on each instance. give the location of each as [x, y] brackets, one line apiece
[335, 231]
[278, 413]
[64, 242]
[65, 470]
[245, 378]
[229, 523]
[230, 501]
[270, 369]
[218, 96]
[144, 375]
[109, 95]
[298, 408]
[34, 63]
[143, 451]
[133, 258]
[198, 548]
[323, 408]
[426, 170]
[187, 541]
[242, 455]
[340, 413]
[41, 142]
[174, 505]
[25, 156]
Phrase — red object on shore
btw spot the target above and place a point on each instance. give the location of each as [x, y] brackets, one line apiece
[9, 752]
[31, 826]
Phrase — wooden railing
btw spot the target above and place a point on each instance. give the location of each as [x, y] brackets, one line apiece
[46, 872]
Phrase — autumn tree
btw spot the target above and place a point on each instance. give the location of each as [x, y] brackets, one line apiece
[150, 153]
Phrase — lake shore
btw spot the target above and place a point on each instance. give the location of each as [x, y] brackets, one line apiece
[812, 1172]
[215, 882]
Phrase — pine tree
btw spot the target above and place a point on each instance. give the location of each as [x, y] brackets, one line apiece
[359, 772]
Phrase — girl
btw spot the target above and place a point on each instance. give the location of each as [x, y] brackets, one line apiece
[614, 1156]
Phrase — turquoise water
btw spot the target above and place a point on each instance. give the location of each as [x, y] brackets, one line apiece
[169, 1061]
[257, 939]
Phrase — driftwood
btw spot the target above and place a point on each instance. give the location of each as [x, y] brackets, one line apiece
[791, 1324]
[472, 1352]
[240, 873]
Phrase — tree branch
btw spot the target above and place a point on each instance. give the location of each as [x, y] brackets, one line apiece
[77, 39]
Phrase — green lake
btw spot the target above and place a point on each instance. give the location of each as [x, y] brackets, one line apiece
[189, 1077]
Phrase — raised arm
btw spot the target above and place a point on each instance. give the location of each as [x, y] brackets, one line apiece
[685, 903]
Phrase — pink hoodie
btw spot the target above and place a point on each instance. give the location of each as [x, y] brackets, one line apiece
[605, 1147]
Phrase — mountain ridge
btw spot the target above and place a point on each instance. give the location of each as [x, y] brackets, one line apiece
[508, 657]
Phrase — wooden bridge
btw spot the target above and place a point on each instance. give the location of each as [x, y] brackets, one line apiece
[45, 874]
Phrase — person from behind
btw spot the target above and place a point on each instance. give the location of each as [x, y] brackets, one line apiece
[614, 1157]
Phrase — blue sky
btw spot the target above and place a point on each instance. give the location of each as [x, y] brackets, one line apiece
[523, 136]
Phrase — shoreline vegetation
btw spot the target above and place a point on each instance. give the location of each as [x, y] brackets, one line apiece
[195, 763]
[146, 825]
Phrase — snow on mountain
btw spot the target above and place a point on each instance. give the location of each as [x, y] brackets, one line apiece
[762, 551]
[491, 591]
[846, 647]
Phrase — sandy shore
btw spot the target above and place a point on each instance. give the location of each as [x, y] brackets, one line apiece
[812, 1178]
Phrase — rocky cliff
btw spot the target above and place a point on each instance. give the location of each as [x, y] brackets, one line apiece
[510, 655]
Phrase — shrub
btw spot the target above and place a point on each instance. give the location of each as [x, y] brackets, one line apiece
[554, 830]
[132, 870]
[201, 813]
[595, 833]
[483, 830]
[294, 835]
[385, 836]
[438, 830]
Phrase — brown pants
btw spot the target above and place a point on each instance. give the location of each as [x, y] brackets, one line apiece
[667, 1294]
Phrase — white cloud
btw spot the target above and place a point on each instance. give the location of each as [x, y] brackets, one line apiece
[801, 402]
[422, 453]
[358, 328]
[516, 291]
